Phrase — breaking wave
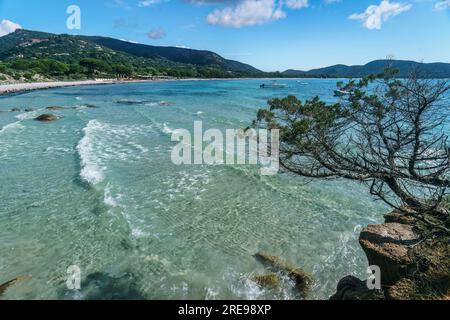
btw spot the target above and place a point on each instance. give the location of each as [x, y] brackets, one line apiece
[91, 171]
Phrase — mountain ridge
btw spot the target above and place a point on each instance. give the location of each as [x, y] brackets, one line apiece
[139, 58]
[33, 55]
[405, 67]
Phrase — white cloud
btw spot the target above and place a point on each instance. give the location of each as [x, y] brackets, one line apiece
[201, 2]
[7, 26]
[297, 4]
[156, 34]
[374, 16]
[252, 12]
[442, 5]
[148, 3]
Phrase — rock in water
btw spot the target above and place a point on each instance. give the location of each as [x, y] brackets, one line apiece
[46, 118]
[386, 245]
[55, 108]
[268, 281]
[303, 280]
[15, 110]
[351, 288]
[13, 282]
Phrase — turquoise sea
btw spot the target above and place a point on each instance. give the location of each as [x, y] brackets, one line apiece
[97, 189]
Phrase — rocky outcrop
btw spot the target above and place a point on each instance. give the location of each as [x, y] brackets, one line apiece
[386, 246]
[46, 118]
[412, 266]
[55, 108]
[303, 280]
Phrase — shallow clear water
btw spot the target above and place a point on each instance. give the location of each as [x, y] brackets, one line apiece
[97, 189]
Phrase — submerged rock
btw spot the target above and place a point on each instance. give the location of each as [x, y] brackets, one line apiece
[55, 108]
[268, 281]
[92, 106]
[104, 286]
[5, 286]
[303, 280]
[15, 110]
[29, 110]
[46, 118]
[130, 102]
[352, 288]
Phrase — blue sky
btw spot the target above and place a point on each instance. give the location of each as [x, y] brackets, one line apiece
[268, 34]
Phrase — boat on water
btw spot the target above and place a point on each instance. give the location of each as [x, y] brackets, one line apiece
[273, 84]
[341, 93]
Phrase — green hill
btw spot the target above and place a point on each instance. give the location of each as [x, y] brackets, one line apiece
[31, 54]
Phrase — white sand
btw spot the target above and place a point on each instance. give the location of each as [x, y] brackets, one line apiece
[19, 87]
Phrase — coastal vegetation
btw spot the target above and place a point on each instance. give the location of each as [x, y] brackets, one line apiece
[31, 55]
[383, 132]
[35, 56]
[389, 135]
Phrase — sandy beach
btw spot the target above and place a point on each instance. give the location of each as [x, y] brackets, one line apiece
[21, 87]
[6, 89]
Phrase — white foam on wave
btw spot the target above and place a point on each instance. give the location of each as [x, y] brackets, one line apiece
[104, 142]
[29, 115]
[114, 200]
[58, 149]
[109, 199]
[166, 129]
[141, 148]
[11, 126]
[91, 171]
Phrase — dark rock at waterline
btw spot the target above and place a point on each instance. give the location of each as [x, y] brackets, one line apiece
[103, 286]
[55, 108]
[46, 118]
[303, 280]
[29, 110]
[352, 288]
[5, 286]
[130, 102]
[92, 106]
[15, 110]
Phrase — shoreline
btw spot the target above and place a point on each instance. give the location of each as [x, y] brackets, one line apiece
[17, 88]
